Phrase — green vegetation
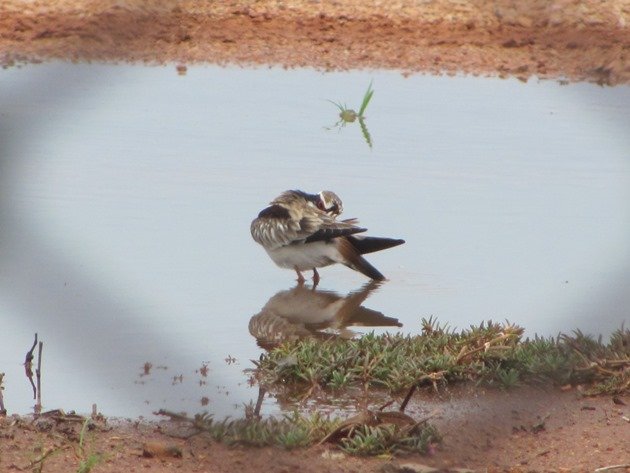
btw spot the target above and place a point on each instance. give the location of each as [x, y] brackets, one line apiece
[289, 431]
[366, 434]
[87, 460]
[389, 439]
[41, 452]
[348, 115]
[489, 354]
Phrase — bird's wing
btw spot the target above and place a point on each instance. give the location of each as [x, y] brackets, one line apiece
[276, 226]
[364, 244]
[334, 230]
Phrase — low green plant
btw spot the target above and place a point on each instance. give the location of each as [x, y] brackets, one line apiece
[295, 430]
[508, 377]
[88, 460]
[488, 353]
[389, 439]
[339, 379]
[296, 437]
[368, 440]
[88, 463]
[348, 115]
[289, 431]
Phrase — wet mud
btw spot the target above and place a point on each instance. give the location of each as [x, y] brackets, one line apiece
[526, 429]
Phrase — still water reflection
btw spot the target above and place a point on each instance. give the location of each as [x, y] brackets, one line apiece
[306, 311]
[126, 195]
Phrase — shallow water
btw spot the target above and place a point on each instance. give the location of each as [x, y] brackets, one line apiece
[126, 194]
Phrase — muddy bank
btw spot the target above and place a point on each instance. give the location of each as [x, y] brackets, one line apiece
[562, 39]
[526, 429]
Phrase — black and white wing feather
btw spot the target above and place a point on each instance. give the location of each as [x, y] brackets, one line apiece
[278, 226]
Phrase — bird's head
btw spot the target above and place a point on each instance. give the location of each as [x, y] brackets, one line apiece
[330, 203]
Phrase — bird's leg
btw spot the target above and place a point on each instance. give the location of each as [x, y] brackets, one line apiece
[315, 278]
[300, 279]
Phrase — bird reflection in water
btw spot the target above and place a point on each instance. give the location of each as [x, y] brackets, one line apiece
[310, 312]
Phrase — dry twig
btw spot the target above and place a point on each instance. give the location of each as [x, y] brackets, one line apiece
[3, 411]
[38, 374]
[612, 467]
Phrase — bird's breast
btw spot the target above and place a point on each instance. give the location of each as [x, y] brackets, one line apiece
[306, 256]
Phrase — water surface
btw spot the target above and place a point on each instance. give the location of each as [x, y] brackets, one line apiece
[126, 194]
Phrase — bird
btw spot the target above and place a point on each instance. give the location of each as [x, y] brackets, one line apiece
[300, 231]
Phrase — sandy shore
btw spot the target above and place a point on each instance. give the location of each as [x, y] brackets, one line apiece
[575, 40]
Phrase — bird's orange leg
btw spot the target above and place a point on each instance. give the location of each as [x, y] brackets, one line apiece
[300, 278]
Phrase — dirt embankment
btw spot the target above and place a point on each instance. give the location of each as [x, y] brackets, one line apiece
[521, 430]
[561, 39]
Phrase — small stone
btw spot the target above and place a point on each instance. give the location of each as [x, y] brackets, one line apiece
[329, 455]
[44, 424]
[409, 468]
[161, 450]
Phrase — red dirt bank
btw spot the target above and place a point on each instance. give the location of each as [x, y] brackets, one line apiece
[519, 430]
[578, 40]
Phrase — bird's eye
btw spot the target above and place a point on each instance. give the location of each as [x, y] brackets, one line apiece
[320, 205]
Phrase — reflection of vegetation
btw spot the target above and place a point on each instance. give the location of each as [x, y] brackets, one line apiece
[369, 433]
[348, 115]
[490, 353]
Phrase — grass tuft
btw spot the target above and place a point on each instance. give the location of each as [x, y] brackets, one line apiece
[389, 439]
[490, 353]
[289, 431]
[88, 460]
[366, 434]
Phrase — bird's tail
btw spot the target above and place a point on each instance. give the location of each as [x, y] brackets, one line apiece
[365, 244]
[354, 260]
[361, 264]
